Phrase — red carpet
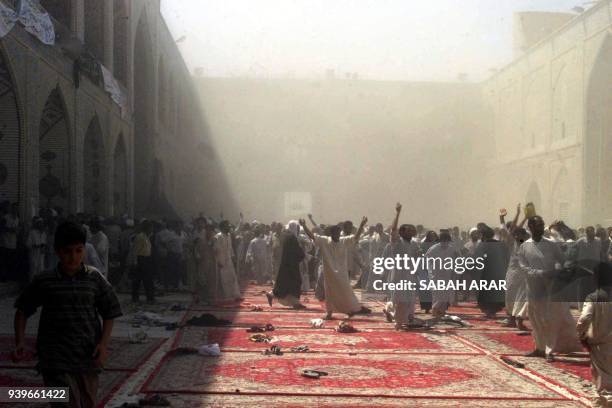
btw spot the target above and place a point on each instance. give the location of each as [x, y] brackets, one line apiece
[377, 366]
[292, 319]
[399, 375]
[300, 401]
[327, 340]
[499, 342]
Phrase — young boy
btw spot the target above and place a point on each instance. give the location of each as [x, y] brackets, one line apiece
[71, 344]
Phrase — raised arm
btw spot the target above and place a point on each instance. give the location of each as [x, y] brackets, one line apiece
[516, 217]
[312, 220]
[306, 229]
[398, 210]
[364, 221]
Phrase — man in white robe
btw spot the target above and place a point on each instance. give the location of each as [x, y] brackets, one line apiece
[595, 331]
[437, 266]
[36, 244]
[227, 280]
[336, 255]
[402, 244]
[258, 256]
[552, 322]
[100, 242]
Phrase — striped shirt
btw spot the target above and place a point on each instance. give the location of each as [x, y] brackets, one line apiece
[69, 327]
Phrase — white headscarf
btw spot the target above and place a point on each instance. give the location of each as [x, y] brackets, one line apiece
[293, 227]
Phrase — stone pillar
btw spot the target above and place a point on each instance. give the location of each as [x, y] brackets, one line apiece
[78, 19]
[109, 22]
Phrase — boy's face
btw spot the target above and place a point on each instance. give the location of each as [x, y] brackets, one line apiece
[71, 256]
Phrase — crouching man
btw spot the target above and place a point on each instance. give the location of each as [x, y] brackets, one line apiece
[72, 344]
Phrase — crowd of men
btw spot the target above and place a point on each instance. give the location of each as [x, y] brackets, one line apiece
[548, 269]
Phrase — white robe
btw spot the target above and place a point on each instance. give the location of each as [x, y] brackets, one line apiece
[516, 292]
[552, 322]
[101, 244]
[227, 282]
[258, 256]
[336, 256]
[441, 299]
[403, 300]
[595, 325]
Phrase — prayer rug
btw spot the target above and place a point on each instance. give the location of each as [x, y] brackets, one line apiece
[327, 340]
[293, 401]
[377, 375]
[571, 373]
[295, 319]
[500, 342]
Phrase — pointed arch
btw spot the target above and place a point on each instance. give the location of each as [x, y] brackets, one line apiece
[10, 136]
[54, 153]
[94, 166]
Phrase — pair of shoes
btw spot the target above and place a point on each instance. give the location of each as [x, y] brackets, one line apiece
[274, 350]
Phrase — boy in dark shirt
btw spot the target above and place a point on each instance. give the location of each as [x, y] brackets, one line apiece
[71, 343]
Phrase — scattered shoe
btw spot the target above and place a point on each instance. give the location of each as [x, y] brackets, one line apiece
[273, 351]
[154, 401]
[512, 362]
[300, 349]
[260, 338]
[345, 327]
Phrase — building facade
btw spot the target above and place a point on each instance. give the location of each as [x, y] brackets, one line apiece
[64, 142]
[551, 111]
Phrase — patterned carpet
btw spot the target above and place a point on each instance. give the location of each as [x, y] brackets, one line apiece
[377, 366]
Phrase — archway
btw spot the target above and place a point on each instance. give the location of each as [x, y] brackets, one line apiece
[144, 117]
[94, 180]
[10, 136]
[120, 178]
[54, 150]
[598, 141]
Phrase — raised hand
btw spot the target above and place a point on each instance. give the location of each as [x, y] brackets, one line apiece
[398, 207]
[364, 220]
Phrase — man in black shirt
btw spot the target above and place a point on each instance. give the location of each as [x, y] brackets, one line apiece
[71, 343]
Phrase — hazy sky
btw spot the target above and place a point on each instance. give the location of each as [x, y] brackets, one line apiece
[378, 39]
